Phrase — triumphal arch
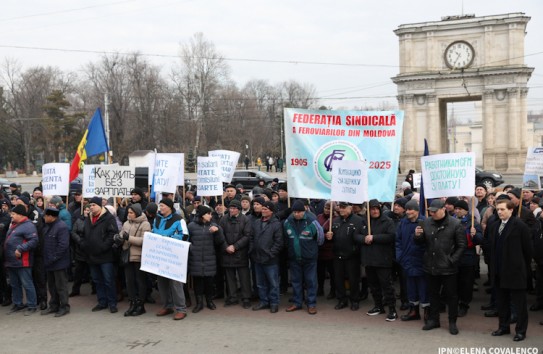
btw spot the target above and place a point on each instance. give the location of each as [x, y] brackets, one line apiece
[465, 58]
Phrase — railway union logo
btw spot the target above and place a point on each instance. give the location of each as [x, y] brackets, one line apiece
[330, 152]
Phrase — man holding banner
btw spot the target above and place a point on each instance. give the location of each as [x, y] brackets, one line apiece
[169, 224]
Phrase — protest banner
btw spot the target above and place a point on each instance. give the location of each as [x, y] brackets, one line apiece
[165, 256]
[416, 180]
[229, 160]
[55, 179]
[167, 172]
[349, 181]
[316, 138]
[208, 176]
[448, 175]
[533, 170]
[88, 181]
[113, 180]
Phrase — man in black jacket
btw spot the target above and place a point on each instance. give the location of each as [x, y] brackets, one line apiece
[265, 246]
[97, 243]
[445, 243]
[237, 233]
[510, 258]
[377, 255]
[346, 252]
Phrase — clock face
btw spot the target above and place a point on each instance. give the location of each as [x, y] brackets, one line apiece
[459, 55]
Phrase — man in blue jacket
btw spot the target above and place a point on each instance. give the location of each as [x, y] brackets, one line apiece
[21, 240]
[303, 236]
[56, 258]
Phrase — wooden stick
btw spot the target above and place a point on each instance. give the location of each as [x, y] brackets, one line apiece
[331, 215]
[520, 203]
[426, 207]
[472, 211]
[368, 214]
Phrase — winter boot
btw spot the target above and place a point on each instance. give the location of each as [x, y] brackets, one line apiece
[188, 301]
[426, 313]
[412, 315]
[199, 304]
[131, 308]
[210, 304]
[139, 308]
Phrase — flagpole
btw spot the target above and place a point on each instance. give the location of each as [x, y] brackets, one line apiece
[106, 118]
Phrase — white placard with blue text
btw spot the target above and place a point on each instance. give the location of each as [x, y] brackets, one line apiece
[448, 175]
[314, 139]
[165, 256]
[208, 176]
[88, 181]
[229, 161]
[166, 172]
[533, 169]
[55, 179]
[350, 181]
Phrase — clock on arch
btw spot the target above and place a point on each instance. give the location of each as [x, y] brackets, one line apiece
[459, 55]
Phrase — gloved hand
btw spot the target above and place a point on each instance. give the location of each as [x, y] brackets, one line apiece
[125, 235]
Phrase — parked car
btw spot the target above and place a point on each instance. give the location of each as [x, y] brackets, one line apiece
[4, 184]
[249, 178]
[489, 179]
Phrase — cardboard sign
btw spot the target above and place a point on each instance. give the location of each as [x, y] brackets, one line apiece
[55, 179]
[448, 175]
[229, 160]
[114, 181]
[208, 176]
[350, 181]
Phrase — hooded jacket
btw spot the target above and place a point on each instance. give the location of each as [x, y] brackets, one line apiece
[135, 229]
[23, 237]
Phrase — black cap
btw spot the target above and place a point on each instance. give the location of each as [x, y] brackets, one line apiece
[436, 205]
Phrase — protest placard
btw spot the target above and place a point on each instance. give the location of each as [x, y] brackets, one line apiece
[316, 138]
[208, 176]
[448, 175]
[113, 180]
[533, 170]
[416, 180]
[349, 181]
[167, 171]
[229, 160]
[55, 179]
[88, 181]
[165, 256]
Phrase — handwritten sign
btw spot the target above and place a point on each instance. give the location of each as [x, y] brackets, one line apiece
[208, 176]
[114, 181]
[166, 172]
[448, 175]
[350, 181]
[55, 179]
[165, 256]
[229, 160]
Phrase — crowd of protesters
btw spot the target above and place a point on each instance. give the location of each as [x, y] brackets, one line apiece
[248, 248]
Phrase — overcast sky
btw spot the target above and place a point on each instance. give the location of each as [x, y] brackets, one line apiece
[333, 32]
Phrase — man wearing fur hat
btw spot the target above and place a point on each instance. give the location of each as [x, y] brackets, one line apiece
[21, 241]
[97, 243]
[56, 256]
[303, 235]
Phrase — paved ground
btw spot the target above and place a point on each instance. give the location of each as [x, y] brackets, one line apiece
[235, 330]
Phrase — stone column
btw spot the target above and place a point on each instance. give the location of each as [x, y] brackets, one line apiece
[489, 155]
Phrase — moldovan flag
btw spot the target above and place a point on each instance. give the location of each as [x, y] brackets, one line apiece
[94, 142]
